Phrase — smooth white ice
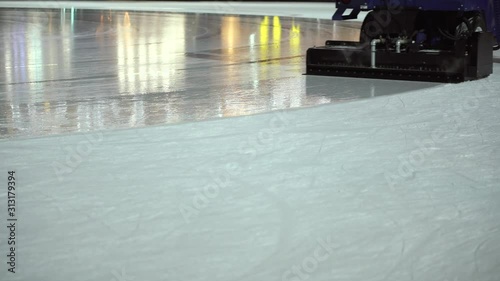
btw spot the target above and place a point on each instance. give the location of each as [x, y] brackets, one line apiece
[402, 187]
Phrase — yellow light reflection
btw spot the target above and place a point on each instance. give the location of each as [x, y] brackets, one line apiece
[230, 34]
[276, 38]
[264, 38]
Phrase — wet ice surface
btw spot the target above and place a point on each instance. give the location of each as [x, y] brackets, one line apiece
[400, 187]
[396, 188]
[72, 70]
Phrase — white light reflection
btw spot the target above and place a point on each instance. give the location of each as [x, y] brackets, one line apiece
[253, 58]
[67, 45]
[264, 46]
[173, 45]
[8, 62]
[289, 92]
[147, 60]
[34, 65]
[72, 19]
[296, 50]
[295, 47]
[53, 50]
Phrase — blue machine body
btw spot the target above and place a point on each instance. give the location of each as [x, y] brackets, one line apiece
[490, 8]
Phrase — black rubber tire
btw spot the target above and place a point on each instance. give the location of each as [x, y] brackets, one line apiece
[368, 31]
[474, 21]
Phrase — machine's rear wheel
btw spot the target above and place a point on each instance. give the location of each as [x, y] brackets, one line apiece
[370, 28]
[384, 23]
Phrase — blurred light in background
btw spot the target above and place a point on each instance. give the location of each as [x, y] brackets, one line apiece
[80, 70]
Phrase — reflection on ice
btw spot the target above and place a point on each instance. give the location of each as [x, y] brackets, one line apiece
[341, 89]
[74, 70]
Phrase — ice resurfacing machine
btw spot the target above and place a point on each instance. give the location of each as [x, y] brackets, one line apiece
[426, 40]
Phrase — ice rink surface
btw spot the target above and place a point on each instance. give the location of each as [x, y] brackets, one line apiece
[69, 70]
[112, 117]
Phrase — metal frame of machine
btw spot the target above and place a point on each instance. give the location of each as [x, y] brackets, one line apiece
[440, 41]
